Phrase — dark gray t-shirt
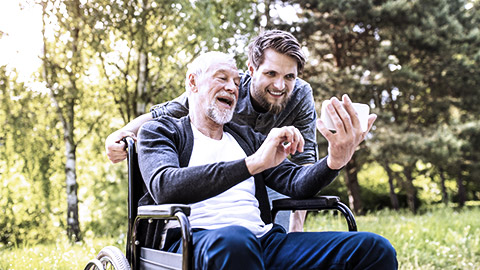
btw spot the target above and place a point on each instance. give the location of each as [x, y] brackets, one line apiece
[299, 112]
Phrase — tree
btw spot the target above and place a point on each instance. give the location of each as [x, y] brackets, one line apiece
[432, 41]
[469, 169]
[402, 58]
[64, 66]
[144, 46]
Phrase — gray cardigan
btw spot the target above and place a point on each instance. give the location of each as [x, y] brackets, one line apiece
[164, 149]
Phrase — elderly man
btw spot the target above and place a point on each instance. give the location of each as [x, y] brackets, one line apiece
[221, 170]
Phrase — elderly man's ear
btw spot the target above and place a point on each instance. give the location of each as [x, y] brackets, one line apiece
[192, 82]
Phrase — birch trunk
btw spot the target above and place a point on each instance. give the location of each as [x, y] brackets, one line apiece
[393, 195]
[73, 224]
[354, 197]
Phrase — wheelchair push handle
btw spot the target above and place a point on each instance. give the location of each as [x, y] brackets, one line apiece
[129, 141]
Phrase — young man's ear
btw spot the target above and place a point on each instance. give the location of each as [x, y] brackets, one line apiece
[251, 69]
[192, 82]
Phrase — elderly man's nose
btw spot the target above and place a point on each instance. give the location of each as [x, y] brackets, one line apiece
[231, 86]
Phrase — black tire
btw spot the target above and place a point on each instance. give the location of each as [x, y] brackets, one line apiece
[113, 259]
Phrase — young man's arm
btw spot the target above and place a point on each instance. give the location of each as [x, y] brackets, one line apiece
[114, 145]
[301, 114]
[304, 121]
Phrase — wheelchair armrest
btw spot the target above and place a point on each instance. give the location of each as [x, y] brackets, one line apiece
[315, 204]
[180, 212]
[163, 210]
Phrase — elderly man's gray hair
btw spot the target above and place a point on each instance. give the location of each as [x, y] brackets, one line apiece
[200, 64]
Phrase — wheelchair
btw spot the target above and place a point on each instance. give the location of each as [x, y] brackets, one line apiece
[146, 258]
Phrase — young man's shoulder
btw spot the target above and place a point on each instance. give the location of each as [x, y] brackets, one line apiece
[177, 107]
[302, 87]
[167, 122]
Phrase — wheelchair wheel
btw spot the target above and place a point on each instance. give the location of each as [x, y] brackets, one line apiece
[112, 258]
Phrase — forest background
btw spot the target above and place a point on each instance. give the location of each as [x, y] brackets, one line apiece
[103, 62]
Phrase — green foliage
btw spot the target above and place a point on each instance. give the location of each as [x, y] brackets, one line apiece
[93, 53]
[412, 61]
[144, 47]
[102, 192]
[32, 197]
[29, 158]
[469, 134]
[374, 189]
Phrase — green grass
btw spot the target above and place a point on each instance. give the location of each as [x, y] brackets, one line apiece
[59, 255]
[440, 238]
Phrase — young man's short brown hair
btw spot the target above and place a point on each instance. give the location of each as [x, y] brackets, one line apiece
[281, 41]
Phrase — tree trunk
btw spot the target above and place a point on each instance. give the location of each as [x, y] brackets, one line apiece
[444, 188]
[393, 195]
[411, 190]
[142, 79]
[461, 190]
[354, 198]
[142, 83]
[73, 224]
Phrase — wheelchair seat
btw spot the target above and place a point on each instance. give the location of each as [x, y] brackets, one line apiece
[140, 257]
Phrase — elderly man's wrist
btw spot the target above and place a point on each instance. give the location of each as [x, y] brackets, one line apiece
[253, 165]
[332, 165]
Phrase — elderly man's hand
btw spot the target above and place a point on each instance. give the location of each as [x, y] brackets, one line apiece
[115, 147]
[279, 143]
[343, 143]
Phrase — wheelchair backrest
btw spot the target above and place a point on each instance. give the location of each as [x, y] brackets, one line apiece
[135, 189]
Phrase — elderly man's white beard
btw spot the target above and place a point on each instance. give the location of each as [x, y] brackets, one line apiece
[218, 115]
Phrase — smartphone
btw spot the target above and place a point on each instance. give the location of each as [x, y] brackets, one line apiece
[363, 110]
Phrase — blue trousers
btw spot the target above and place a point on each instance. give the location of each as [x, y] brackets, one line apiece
[235, 247]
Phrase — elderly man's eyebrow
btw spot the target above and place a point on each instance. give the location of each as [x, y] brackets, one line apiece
[227, 72]
[222, 71]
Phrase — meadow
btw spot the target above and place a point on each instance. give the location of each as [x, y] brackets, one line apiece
[440, 238]
[437, 238]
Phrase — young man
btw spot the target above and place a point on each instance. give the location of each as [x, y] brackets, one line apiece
[221, 170]
[270, 96]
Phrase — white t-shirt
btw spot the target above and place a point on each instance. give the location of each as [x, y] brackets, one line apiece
[235, 206]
